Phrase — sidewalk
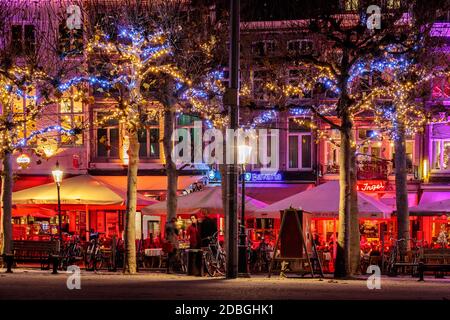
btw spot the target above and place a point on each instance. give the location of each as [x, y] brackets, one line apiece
[37, 284]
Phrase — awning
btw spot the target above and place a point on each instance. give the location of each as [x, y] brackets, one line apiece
[323, 202]
[208, 200]
[431, 209]
[147, 183]
[32, 210]
[271, 193]
[430, 196]
[83, 189]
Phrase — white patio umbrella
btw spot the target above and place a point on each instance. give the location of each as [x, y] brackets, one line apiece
[323, 201]
[207, 200]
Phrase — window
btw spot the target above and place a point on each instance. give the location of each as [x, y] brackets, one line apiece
[23, 39]
[299, 144]
[259, 79]
[71, 117]
[70, 41]
[262, 48]
[21, 116]
[393, 4]
[108, 138]
[148, 138]
[441, 154]
[351, 5]
[303, 46]
[187, 121]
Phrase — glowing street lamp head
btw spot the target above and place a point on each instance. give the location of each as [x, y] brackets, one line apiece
[57, 174]
[244, 154]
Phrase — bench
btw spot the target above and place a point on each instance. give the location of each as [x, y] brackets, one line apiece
[437, 260]
[45, 252]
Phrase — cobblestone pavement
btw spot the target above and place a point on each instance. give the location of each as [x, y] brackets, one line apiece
[37, 284]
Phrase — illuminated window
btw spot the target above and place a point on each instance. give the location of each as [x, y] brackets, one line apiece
[71, 117]
[393, 4]
[108, 138]
[22, 105]
[149, 141]
[441, 154]
[440, 145]
[351, 5]
[299, 144]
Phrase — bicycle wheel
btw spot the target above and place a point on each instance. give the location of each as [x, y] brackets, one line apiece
[221, 263]
[210, 264]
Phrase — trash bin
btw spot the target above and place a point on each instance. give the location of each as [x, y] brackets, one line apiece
[195, 262]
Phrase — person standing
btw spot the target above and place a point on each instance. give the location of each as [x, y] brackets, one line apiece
[193, 233]
[208, 228]
[171, 237]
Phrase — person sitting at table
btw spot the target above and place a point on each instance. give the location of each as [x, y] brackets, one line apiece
[193, 233]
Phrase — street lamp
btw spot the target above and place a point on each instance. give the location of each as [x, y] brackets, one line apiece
[244, 155]
[57, 176]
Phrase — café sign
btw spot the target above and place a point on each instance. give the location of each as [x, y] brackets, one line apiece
[371, 186]
[23, 161]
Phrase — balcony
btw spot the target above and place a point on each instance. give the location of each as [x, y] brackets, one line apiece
[372, 169]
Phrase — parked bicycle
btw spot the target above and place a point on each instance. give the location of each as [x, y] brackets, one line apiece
[261, 257]
[214, 257]
[94, 256]
[71, 252]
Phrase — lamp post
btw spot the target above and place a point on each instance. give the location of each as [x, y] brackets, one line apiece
[244, 153]
[57, 176]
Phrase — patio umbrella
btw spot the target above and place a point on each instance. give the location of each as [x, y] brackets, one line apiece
[323, 201]
[208, 200]
[431, 208]
[83, 189]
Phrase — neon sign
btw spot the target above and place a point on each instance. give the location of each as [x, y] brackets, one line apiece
[256, 177]
[214, 175]
[371, 186]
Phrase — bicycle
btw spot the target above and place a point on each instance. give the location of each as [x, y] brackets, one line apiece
[261, 258]
[394, 257]
[214, 257]
[94, 255]
[71, 252]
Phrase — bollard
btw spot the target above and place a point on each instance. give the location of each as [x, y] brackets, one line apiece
[55, 260]
[9, 259]
[421, 270]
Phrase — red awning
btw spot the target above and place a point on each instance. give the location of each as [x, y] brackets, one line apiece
[34, 211]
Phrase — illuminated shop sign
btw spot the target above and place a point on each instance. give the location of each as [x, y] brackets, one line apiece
[371, 186]
[214, 175]
[23, 161]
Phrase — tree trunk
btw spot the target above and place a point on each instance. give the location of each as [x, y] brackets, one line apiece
[401, 188]
[130, 223]
[355, 239]
[7, 187]
[342, 266]
[171, 168]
